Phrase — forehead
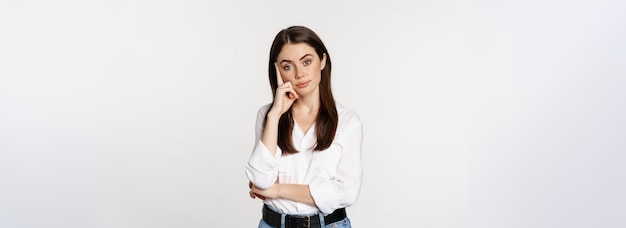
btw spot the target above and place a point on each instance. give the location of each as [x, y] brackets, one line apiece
[295, 51]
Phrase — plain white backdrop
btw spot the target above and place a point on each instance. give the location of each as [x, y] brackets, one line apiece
[476, 113]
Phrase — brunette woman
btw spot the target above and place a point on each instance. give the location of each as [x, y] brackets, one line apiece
[306, 165]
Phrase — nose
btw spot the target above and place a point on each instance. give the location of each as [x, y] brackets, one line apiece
[299, 72]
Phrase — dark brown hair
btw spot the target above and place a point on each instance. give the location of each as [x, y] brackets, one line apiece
[327, 117]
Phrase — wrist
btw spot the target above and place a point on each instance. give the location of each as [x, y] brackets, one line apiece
[273, 115]
[278, 188]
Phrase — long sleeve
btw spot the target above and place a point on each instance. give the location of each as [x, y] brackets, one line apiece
[342, 190]
[262, 168]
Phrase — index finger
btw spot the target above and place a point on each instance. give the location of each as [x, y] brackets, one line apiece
[279, 78]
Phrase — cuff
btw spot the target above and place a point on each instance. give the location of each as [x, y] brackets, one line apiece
[324, 196]
[262, 167]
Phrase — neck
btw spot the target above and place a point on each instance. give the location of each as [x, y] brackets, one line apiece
[308, 104]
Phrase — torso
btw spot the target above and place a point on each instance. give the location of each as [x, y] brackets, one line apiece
[308, 166]
[304, 120]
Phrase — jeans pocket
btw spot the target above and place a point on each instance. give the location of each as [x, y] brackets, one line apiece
[344, 223]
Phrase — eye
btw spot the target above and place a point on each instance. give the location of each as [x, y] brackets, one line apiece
[307, 62]
[287, 67]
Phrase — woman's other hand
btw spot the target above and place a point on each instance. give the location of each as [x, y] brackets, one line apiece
[270, 193]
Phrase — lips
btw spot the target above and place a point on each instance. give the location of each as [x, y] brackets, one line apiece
[303, 84]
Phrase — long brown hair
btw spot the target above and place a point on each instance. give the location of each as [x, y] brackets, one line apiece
[327, 117]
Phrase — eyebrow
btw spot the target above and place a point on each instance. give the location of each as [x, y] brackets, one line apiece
[284, 60]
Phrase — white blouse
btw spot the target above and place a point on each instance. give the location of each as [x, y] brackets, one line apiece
[333, 175]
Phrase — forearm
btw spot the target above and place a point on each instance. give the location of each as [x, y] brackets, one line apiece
[296, 192]
[270, 132]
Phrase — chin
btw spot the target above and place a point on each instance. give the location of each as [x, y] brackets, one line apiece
[304, 92]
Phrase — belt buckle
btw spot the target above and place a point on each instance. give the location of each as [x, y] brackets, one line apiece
[308, 221]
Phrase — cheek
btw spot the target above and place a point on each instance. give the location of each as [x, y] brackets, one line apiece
[315, 69]
[286, 75]
[290, 76]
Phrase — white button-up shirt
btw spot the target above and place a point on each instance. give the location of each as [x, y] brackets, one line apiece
[333, 175]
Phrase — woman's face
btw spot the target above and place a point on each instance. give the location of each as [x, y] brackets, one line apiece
[299, 64]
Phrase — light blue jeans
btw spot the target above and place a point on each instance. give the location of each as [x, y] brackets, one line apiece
[344, 223]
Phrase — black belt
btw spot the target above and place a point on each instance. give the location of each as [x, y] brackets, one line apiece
[297, 221]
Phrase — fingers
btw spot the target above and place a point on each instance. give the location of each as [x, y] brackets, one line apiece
[255, 195]
[291, 93]
[279, 78]
[287, 89]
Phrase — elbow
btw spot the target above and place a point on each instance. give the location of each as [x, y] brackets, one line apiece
[352, 190]
[260, 180]
[350, 199]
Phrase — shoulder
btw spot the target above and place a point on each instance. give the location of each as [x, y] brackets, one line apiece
[264, 109]
[348, 118]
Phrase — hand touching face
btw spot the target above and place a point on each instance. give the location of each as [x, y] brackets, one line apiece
[285, 94]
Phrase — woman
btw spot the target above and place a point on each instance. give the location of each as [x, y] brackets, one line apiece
[306, 164]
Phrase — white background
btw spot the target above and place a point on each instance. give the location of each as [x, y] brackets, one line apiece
[476, 113]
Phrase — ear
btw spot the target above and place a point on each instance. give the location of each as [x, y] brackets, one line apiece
[323, 65]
